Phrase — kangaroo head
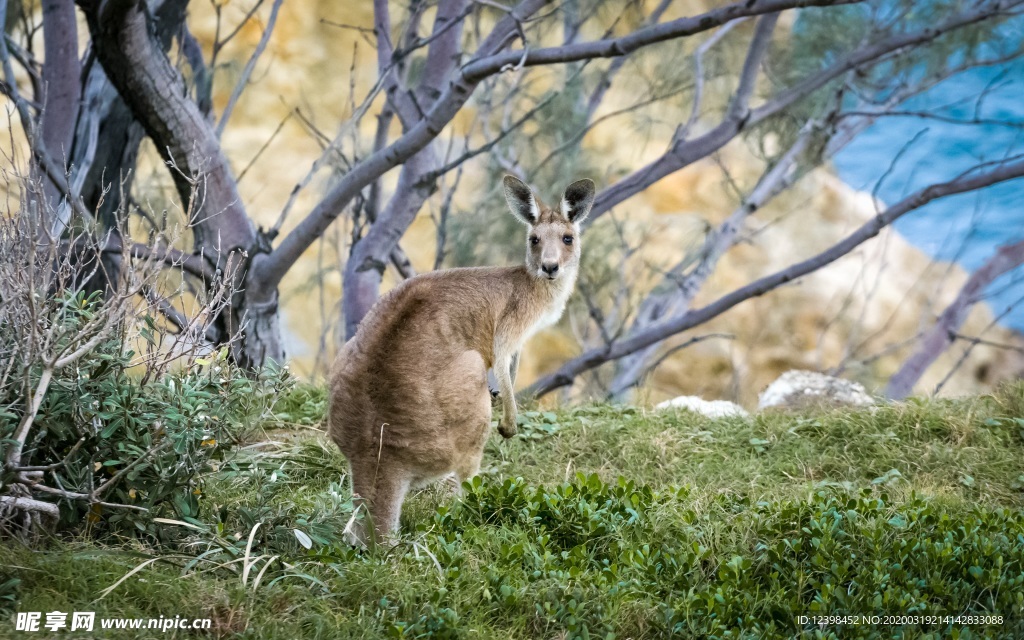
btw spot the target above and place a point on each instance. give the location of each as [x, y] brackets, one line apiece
[553, 237]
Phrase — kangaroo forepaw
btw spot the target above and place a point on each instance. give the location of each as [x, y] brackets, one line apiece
[507, 431]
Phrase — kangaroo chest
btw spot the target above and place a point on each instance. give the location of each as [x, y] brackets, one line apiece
[552, 311]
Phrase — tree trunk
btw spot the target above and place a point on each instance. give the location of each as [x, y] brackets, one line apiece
[107, 139]
[107, 135]
[60, 105]
[224, 235]
[105, 147]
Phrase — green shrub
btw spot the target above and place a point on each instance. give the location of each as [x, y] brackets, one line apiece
[588, 548]
[585, 512]
[148, 441]
[839, 555]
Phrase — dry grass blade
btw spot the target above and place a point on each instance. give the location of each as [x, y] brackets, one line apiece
[108, 590]
[416, 546]
[180, 523]
[259, 576]
[247, 563]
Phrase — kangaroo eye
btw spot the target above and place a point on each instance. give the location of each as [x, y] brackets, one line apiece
[534, 239]
[567, 239]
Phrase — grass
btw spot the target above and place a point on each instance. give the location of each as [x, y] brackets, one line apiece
[597, 521]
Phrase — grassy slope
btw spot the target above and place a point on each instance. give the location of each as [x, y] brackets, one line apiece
[904, 508]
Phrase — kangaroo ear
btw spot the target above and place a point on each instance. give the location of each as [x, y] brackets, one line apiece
[577, 200]
[521, 200]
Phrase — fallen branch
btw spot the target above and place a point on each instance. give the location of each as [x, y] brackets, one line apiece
[15, 503]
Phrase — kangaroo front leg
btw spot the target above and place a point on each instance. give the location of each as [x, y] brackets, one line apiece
[492, 379]
[513, 368]
[503, 371]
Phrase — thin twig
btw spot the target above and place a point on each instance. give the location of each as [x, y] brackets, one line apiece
[243, 80]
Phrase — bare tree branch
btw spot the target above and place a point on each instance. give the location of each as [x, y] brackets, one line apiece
[680, 294]
[365, 267]
[974, 342]
[684, 345]
[218, 42]
[969, 181]
[166, 309]
[56, 465]
[643, 37]
[660, 305]
[698, 75]
[944, 332]
[927, 115]
[606, 79]
[170, 256]
[487, 63]
[243, 79]
[188, 262]
[684, 152]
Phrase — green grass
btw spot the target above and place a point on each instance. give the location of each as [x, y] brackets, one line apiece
[598, 521]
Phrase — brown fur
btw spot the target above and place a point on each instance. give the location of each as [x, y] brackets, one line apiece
[409, 396]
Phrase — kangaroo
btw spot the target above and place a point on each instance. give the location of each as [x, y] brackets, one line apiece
[409, 397]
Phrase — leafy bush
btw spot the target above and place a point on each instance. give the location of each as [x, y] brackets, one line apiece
[142, 445]
[590, 547]
[586, 512]
[301, 404]
[836, 555]
[109, 410]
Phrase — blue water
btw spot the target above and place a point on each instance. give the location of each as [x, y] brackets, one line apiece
[966, 228]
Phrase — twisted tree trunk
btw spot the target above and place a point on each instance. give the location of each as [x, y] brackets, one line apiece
[224, 235]
[104, 149]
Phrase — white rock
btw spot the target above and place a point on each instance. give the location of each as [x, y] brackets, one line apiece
[796, 387]
[709, 408]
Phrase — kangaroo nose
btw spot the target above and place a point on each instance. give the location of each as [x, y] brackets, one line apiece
[549, 268]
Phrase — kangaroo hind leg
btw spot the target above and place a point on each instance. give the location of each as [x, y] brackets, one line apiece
[378, 491]
[467, 410]
[389, 493]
